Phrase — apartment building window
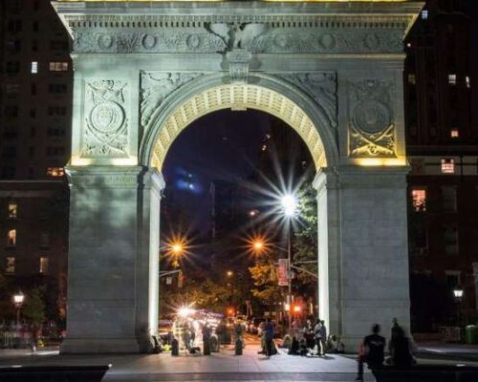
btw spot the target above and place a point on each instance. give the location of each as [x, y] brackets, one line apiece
[412, 79]
[419, 199]
[10, 265]
[34, 67]
[12, 67]
[451, 239]
[33, 89]
[9, 152]
[12, 210]
[36, 26]
[34, 45]
[58, 66]
[12, 89]
[453, 279]
[44, 240]
[8, 172]
[14, 46]
[57, 88]
[12, 238]
[33, 113]
[55, 151]
[56, 111]
[44, 265]
[14, 26]
[36, 5]
[55, 171]
[11, 111]
[448, 166]
[55, 132]
[454, 133]
[31, 152]
[424, 14]
[58, 45]
[468, 82]
[448, 195]
[452, 79]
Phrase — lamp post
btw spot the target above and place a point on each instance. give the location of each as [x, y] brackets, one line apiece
[18, 302]
[289, 209]
[458, 293]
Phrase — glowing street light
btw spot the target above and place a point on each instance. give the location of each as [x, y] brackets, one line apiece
[18, 300]
[289, 205]
[229, 273]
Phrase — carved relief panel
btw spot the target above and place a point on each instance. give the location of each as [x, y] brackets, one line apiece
[371, 128]
[106, 121]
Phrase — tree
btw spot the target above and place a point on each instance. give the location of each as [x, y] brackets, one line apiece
[305, 241]
[265, 280]
[34, 307]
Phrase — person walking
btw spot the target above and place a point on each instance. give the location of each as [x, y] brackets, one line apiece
[373, 351]
[269, 337]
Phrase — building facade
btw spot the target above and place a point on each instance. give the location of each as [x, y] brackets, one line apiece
[442, 146]
[36, 77]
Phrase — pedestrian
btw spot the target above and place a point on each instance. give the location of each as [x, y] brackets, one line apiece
[371, 352]
[401, 349]
[269, 337]
[318, 336]
[206, 339]
[323, 337]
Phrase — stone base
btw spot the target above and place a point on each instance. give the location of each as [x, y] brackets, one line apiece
[98, 346]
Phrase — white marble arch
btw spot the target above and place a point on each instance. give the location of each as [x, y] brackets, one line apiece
[145, 71]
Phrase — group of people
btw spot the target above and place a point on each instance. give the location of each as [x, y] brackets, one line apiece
[305, 336]
[372, 350]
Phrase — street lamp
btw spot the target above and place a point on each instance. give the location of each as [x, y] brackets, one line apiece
[18, 302]
[458, 293]
[289, 209]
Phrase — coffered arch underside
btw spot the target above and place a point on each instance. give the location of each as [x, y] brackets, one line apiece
[238, 97]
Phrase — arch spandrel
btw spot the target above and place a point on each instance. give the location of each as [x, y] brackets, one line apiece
[238, 97]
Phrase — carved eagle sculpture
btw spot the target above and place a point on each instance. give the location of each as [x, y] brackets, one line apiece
[237, 35]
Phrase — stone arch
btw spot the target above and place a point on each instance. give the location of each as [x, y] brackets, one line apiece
[264, 93]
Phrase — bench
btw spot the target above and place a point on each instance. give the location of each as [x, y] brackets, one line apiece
[53, 373]
[427, 373]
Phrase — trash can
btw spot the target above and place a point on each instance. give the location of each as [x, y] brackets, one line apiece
[471, 334]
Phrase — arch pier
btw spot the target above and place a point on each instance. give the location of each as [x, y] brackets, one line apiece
[145, 70]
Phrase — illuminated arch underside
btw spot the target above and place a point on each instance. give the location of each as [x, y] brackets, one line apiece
[238, 97]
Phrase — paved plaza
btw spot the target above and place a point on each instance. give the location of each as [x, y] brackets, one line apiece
[223, 366]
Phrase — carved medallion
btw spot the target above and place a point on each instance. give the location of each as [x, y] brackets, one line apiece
[149, 41]
[371, 127]
[193, 41]
[327, 41]
[105, 41]
[106, 125]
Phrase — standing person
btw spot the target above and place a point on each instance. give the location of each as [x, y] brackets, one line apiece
[323, 337]
[318, 336]
[269, 336]
[373, 351]
[401, 349]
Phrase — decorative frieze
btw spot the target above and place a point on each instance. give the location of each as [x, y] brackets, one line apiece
[156, 86]
[371, 119]
[105, 132]
[322, 87]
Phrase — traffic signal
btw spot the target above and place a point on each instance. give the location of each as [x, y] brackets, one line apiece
[180, 279]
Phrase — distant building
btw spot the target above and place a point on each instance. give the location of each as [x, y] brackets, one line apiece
[36, 79]
[442, 144]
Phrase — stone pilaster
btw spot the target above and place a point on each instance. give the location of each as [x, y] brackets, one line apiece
[109, 270]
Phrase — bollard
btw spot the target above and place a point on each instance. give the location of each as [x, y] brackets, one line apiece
[238, 347]
[174, 347]
[214, 344]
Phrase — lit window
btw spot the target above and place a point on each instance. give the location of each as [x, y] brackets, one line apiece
[55, 171]
[264, 147]
[468, 82]
[34, 68]
[452, 79]
[454, 133]
[412, 79]
[10, 266]
[409, 45]
[58, 66]
[424, 14]
[44, 265]
[12, 210]
[44, 240]
[419, 200]
[12, 238]
[447, 166]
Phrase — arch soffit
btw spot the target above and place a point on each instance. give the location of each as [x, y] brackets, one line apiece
[264, 93]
